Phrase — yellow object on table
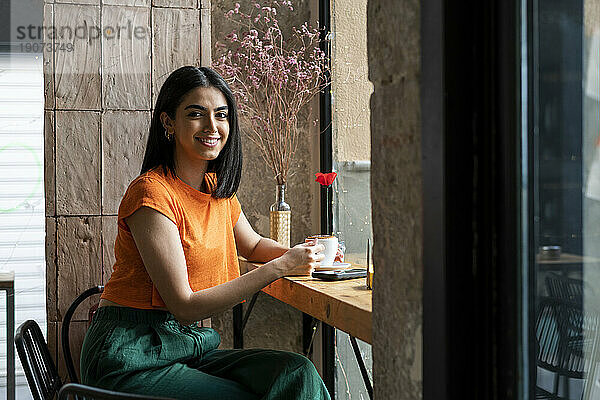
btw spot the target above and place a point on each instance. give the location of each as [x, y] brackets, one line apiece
[370, 274]
[370, 271]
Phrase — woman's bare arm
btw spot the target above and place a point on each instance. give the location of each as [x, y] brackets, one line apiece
[159, 244]
[254, 247]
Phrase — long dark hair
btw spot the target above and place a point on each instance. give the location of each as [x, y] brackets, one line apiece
[161, 152]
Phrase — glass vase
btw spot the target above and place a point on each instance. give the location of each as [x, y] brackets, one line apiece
[280, 217]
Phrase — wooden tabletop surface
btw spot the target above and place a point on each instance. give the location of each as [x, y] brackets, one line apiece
[345, 304]
[567, 258]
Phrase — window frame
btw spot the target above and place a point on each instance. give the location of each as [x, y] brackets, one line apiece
[326, 214]
[475, 314]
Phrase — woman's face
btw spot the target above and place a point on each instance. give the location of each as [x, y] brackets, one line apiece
[201, 125]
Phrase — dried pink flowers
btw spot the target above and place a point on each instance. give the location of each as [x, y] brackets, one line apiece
[273, 77]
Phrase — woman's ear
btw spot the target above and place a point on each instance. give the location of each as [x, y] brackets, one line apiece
[167, 122]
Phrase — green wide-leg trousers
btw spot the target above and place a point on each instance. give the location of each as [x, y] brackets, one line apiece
[149, 352]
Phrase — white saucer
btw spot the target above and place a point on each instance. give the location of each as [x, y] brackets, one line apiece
[336, 265]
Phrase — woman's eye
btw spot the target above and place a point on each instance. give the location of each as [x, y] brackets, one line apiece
[195, 114]
[222, 115]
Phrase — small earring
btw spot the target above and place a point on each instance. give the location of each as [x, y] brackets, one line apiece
[168, 135]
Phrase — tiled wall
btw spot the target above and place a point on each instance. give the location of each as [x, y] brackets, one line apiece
[98, 104]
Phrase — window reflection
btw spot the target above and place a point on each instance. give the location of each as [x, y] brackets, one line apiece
[566, 153]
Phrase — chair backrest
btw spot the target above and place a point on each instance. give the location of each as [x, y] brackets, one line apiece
[77, 392]
[564, 288]
[562, 346]
[66, 324]
[40, 370]
[568, 342]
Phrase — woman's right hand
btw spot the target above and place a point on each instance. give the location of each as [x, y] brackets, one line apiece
[301, 259]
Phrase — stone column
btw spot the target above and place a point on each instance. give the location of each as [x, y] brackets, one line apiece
[394, 68]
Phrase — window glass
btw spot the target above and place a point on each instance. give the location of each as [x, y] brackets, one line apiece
[351, 92]
[566, 195]
[22, 206]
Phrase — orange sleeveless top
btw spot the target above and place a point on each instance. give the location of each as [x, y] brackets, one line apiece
[205, 227]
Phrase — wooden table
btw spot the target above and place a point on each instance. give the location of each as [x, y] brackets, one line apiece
[566, 264]
[566, 258]
[345, 305]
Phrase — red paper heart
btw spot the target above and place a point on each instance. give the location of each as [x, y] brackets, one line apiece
[325, 179]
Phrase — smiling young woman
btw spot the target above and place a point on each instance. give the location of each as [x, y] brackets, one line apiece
[180, 229]
[202, 127]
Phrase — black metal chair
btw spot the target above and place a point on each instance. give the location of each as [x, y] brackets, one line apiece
[567, 339]
[77, 391]
[562, 287]
[66, 324]
[42, 374]
[40, 370]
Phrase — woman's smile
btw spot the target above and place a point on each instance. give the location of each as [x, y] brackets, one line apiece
[208, 141]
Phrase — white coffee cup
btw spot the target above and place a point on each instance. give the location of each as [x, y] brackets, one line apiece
[331, 247]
